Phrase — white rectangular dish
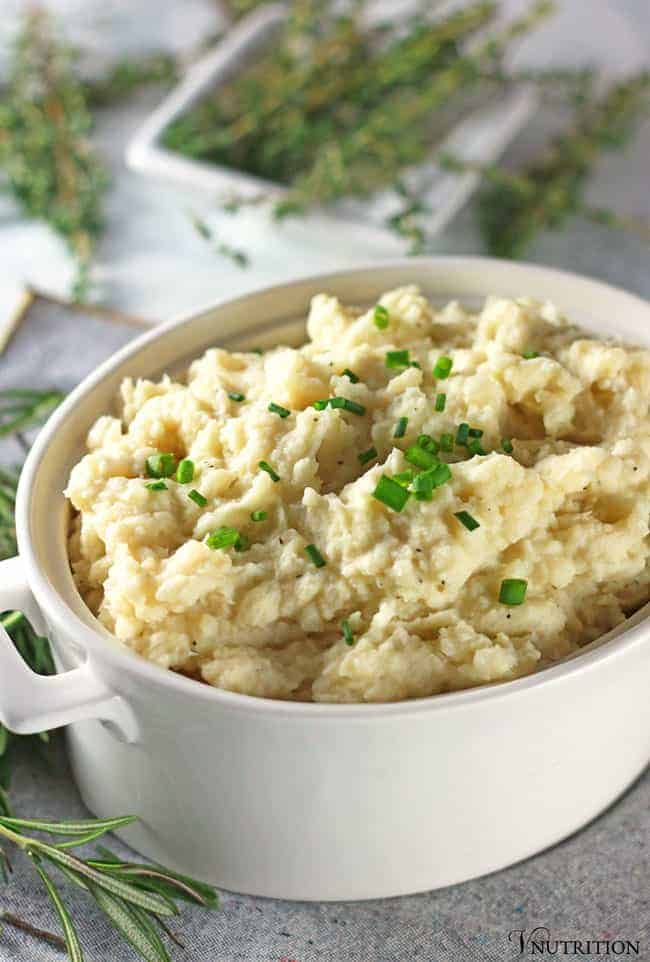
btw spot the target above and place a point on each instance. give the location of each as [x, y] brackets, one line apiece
[480, 138]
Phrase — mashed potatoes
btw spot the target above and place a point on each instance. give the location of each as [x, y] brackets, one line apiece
[308, 577]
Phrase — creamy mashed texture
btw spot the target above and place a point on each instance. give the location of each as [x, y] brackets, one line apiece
[407, 602]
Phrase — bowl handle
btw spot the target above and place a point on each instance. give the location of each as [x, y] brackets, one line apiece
[31, 703]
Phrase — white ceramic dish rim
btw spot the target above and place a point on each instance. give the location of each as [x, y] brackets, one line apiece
[101, 643]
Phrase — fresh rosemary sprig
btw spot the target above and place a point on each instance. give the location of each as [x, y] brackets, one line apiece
[136, 898]
[22, 408]
[237, 256]
[515, 206]
[8, 486]
[44, 151]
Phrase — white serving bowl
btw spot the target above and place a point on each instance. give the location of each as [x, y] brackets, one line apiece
[318, 801]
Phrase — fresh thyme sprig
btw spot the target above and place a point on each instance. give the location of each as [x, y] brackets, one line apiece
[22, 408]
[515, 206]
[340, 109]
[129, 75]
[136, 898]
[44, 151]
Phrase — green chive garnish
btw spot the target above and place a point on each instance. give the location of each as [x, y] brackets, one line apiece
[265, 466]
[400, 428]
[441, 400]
[197, 498]
[366, 456]
[440, 474]
[160, 465]
[443, 367]
[506, 444]
[381, 317]
[321, 405]
[428, 443]
[278, 409]
[391, 493]
[397, 359]
[446, 442]
[185, 471]
[223, 538]
[351, 375]
[420, 457]
[347, 405]
[243, 544]
[513, 591]
[156, 486]
[462, 433]
[404, 477]
[423, 486]
[475, 447]
[259, 515]
[347, 632]
[314, 555]
[529, 355]
[465, 518]
[475, 433]
[236, 396]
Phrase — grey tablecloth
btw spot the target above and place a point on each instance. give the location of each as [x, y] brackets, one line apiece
[595, 885]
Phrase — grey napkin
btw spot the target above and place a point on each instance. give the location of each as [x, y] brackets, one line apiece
[595, 885]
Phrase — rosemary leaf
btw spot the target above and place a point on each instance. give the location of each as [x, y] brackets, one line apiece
[72, 943]
[131, 926]
[21, 409]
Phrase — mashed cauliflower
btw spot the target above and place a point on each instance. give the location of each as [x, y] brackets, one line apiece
[308, 577]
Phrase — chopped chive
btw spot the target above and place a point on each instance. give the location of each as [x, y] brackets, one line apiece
[381, 317]
[475, 447]
[440, 474]
[397, 359]
[351, 375]
[243, 543]
[391, 493]
[197, 498]
[347, 405]
[185, 471]
[420, 457]
[366, 456]
[462, 433]
[475, 433]
[314, 555]
[265, 466]
[259, 515]
[160, 465]
[236, 396]
[446, 442]
[404, 477]
[441, 400]
[428, 443]
[156, 486]
[278, 409]
[223, 538]
[513, 591]
[400, 428]
[257, 350]
[321, 405]
[423, 486]
[347, 632]
[506, 444]
[443, 367]
[466, 519]
[415, 364]
[529, 355]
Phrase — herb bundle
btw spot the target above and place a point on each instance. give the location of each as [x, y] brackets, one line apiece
[44, 151]
[514, 207]
[340, 109]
